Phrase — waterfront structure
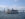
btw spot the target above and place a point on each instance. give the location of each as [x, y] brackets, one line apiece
[14, 11]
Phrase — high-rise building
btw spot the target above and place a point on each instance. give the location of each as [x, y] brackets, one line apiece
[8, 11]
[14, 11]
[4, 10]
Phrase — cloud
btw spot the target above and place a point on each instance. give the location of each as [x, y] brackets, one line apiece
[10, 7]
[3, 6]
[16, 7]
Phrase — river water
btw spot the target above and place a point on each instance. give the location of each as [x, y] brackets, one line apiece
[11, 16]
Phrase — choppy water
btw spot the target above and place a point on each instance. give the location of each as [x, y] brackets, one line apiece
[11, 16]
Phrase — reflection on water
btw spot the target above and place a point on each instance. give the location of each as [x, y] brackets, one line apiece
[11, 16]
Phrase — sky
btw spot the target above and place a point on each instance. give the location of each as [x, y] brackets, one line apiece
[15, 4]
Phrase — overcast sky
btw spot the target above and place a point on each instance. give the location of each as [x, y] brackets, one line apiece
[16, 4]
